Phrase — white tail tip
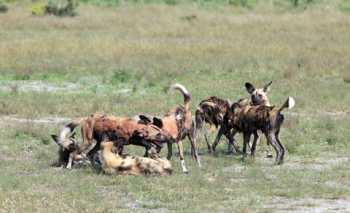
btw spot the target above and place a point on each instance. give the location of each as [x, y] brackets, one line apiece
[181, 88]
[291, 102]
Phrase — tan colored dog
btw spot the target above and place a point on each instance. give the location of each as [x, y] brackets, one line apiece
[113, 163]
[178, 123]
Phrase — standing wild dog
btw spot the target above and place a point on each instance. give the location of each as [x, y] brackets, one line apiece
[122, 131]
[113, 163]
[248, 119]
[214, 109]
[178, 123]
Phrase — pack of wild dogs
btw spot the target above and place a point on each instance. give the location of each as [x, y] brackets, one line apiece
[104, 136]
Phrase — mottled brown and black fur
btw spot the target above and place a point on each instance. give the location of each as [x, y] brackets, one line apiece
[248, 119]
[214, 109]
[212, 112]
[121, 130]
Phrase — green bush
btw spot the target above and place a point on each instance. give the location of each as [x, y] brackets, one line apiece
[38, 9]
[55, 8]
[121, 76]
[243, 3]
[3, 7]
[102, 2]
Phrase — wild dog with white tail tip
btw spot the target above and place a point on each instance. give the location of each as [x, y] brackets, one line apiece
[178, 123]
[214, 109]
[249, 119]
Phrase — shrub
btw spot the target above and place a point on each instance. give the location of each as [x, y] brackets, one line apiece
[3, 7]
[296, 3]
[54, 8]
[243, 3]
[38, 9]
[121, 76]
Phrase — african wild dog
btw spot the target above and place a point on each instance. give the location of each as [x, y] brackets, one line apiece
[113, 163]
[121, 130]
[68, 149]
[178, 123]
[248, 119]
[214, 109]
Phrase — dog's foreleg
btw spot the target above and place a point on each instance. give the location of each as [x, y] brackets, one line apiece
[246, 139]
[70, 161]
[255, 140]
[170, 150]
[181, 155]
[268, 150]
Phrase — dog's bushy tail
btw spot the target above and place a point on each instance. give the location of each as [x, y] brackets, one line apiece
[289, 103]
[185, 93]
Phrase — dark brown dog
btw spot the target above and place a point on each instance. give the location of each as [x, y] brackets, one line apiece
[248, 119]
[214, 109]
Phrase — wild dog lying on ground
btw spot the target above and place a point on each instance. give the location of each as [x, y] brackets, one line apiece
[122, 131]
[268, 119]
[113, 163]
[178, 123]
[214, 109]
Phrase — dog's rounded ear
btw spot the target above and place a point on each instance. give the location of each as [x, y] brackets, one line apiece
[145, 119]
[266, 87]
[250, 88]
[158, 122]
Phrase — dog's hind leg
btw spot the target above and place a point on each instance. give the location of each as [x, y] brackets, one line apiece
[181, 155]
[206, 136]
[218, 137]
[232, 146]
[271, 137]
[194, 151]
[199, 121]
[281, 145]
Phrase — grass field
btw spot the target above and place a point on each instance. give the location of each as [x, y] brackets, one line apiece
[121, 60]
